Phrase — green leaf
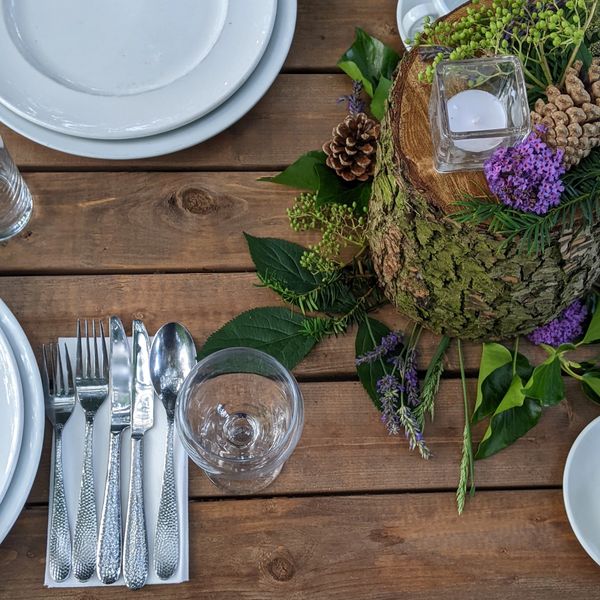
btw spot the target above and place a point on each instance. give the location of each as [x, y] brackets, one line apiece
[493, 356]
[368, 60]
[585, 56]
[591, 384]
[302, 173]
[593, 331]
[369, 373]
[281, 259]
[514, 417]
[333, 189]
[275, 330]
[379, 97]
[546, 383]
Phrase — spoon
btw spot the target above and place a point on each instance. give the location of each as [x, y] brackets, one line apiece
[172, 356]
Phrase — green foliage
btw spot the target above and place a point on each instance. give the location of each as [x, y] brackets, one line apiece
[580, 202]
[302, 173]
[370, 373]
[546, 383]
[592, 334]
[372, 63]
[341, 226]
[274, 330]
[545, 36]
[431, 383]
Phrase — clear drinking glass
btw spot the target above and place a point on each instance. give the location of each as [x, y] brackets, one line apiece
[240, 415]
[16, 204]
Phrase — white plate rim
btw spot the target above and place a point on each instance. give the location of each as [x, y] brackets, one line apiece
[192, 134]
[77, 113]
[33, 427]
[15, 445]
[566, 498]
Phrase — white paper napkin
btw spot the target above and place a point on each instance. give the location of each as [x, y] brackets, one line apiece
[154, 452]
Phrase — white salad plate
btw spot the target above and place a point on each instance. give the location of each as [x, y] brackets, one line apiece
[11, 413]
[33, 423]
[581, 489]
[194, 133]
[109, 69]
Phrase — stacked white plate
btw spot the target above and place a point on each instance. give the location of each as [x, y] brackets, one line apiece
[21, 419]
[124, 80]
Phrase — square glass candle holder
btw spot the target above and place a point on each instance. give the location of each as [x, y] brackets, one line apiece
[476, 106]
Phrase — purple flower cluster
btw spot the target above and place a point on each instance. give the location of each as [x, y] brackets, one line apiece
[566, 328]
[527, 176]
[388, 344]
[355, 102]
[388, 390]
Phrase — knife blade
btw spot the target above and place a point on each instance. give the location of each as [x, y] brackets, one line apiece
[143, 391]
[120, 377]
[108, 554]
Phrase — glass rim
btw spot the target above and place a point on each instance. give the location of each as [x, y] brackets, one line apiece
[275, 455]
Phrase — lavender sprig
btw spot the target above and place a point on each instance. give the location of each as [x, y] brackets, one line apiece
[412, 432]
[354, 100]
[386, 346]
[389, 389]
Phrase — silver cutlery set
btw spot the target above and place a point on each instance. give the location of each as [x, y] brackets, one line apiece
[130, 379]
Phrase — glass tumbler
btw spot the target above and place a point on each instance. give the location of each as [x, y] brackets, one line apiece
[240, 415]
[16, 204]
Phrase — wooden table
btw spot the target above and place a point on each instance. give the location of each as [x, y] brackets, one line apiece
[354, 515]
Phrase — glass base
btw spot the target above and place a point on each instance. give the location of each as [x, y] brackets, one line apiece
[17, 227]
[243, 487]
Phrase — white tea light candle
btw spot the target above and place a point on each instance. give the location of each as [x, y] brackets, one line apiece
[476, 110]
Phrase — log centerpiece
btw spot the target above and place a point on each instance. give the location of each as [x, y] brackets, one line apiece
[457, 279]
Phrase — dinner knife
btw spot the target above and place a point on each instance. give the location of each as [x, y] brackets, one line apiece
[108, 556]
[135, 550]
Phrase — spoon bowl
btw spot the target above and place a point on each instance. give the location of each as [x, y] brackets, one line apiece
[172, 357]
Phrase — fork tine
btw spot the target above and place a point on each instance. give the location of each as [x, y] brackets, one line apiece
[96, 357]
[45, 376]
[88, 367]
[104, 352]
[70, 382]
[51, 378]
[59, 382]
[79, 357]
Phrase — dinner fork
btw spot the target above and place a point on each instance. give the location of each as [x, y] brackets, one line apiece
[59, 397]
[91, 382]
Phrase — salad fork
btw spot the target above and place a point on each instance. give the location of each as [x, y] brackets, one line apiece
[91, 382]
[59, 397]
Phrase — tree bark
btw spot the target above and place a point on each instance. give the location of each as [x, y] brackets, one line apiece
[459, 279]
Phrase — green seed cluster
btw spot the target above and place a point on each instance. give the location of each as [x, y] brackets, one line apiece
[539, 33]
[341, 225]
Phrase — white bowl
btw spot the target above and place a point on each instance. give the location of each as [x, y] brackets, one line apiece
[581, 489]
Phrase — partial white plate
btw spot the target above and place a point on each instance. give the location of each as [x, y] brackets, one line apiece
[411, 15]
[184, 137]
[581, 489]
[109, 69]
[33, 424]
[11, 414]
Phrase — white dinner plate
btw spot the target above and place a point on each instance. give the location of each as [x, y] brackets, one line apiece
[33, 423]
[581, 489]
[198, 131]
[110, 69]
[11, 413]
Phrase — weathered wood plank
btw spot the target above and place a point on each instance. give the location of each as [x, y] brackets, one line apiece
[47, 307]
[326, 29]
[508, 545]
[296, 115]
[345, 448]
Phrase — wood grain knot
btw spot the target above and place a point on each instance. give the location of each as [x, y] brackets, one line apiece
[196, 201]
[281, 567]
[386, 537]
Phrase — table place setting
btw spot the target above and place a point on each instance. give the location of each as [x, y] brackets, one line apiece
[111, 405]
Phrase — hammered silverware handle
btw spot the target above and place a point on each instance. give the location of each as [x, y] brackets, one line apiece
[135, 548]
[108, 557]
[86, 525]
[166, 547]
[59, 552]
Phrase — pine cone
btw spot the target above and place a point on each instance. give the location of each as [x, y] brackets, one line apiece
[351, 151]
[572, 115]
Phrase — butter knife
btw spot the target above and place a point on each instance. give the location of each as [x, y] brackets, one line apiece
[135, 550]
[108, 555]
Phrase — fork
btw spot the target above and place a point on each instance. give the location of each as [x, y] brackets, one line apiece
[59, 398]
[91, 382]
